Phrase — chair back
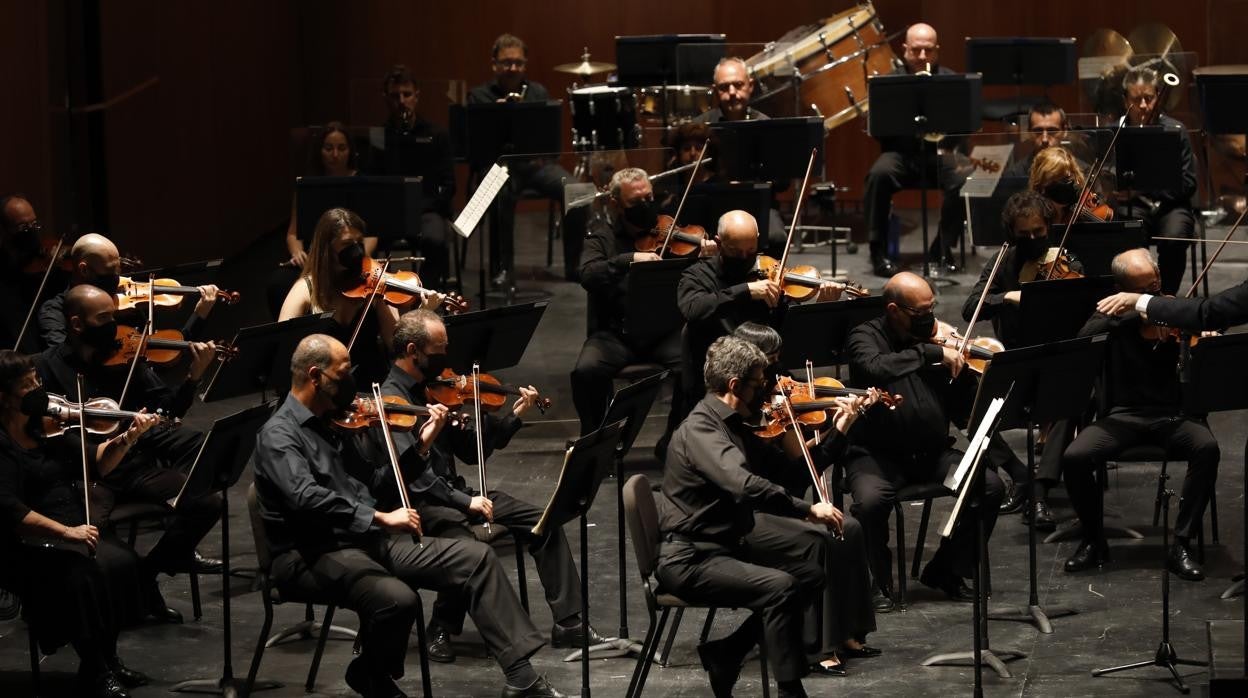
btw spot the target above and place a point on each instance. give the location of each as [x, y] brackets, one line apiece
[264, 555]
[642, 517]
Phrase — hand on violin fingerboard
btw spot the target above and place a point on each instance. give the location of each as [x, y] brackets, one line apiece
[829, 291]
[528, 398]
[849, 409]
[432, 301]
[433, 425]
[202, 356]
[207, 300]
[645, 257]
[709, 248]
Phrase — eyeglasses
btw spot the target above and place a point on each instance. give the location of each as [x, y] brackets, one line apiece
[918, 312]
[31, 227]
[511, 63]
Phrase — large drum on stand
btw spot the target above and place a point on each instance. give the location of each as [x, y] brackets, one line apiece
[674, 104]
[604, 118]
[825, 65]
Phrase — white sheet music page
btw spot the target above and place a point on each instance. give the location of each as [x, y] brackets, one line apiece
[481, 200]
[954, 479]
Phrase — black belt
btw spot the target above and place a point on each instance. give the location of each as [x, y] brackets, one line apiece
[703, 540]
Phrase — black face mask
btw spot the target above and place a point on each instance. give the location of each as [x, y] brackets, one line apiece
[921, 327]
[352, 257]
[1063, 192]
[643, 215]
[107, 283]
[35, 403]
[736, 269]
[756, 402]
[1032, 248]
[433, 365]
[342, 395]
[101, 338]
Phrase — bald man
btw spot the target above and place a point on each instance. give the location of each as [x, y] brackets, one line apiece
[1140, 405]
[719, 292]
[327, 536]
[899, 352]
[733, 89]
[900, 167]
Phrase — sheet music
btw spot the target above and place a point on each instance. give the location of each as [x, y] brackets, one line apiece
[988, 162]
[540, 526]
[955, 477]
[481, 200]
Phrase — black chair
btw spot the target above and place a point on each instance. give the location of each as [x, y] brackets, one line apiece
[643, 525]
[1153, 454]
[133, 515]
[554, 219]
[922, 492]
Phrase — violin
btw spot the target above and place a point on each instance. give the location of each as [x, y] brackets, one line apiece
[401, 415]
[398, 288]
[682, 240]
[801, 283]
[162, 347]
[454, 390]
[1094, 210]
[131, 293]
[100, 416]
[978, 351]
[827, 389]
[1057, 268]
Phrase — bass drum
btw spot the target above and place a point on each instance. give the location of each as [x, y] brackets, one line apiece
[680, 103]
[830, 64]
[604, 118]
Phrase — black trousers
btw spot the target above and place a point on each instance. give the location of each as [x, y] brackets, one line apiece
[890, 173]
[547, 180]
[550, 553]
[874, 479]
[380, 583]
[773, 571]
[1106, 437]
[844, 611]
[1176, 222]
[602, 357]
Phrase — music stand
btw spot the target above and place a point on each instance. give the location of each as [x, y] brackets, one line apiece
[652, 311]
[204, 271]
[587, 462]
[769, 150]
[494, 338]
[985, 213]
[1096, 244]
[709, 200]
[1020, 61]
[1149, 158]
[667, 59]
[222, 457]
[391, 206]
[817, 331]
[1050, 311]
[915, 106]
[263, 361]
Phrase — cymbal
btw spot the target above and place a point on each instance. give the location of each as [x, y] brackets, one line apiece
[586, 67]
[1104, 57]
[1106, 42]
[1157, 47]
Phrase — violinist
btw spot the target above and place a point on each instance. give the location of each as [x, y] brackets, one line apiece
[896, 353]
[79, 584]
[685, 142]
[1139, 404]
[609, 251]
[1047, 126]
[449, 507]
[329, 534]
[1164, 213]
[1057, 176]
[21, 243]
[156, 467]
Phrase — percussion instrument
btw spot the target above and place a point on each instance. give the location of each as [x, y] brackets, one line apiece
[604, 118]
[674, 104]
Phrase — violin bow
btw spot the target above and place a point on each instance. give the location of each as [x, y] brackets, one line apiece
[667, 237]
[56, 253]
[380, 406]
[996, 266]
[143, 337]
[381, 280]
[1209, 265]
[1094, 173]
[82, 442]
[476, 415]
[797, 215]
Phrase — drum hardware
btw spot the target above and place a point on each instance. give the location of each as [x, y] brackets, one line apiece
[857, 36]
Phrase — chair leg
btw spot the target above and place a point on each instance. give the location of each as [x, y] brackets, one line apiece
[1160, 489]
[320, 648]
[706, 626]
[648, 659]
[426, 681]
[1213, 516]
[1200, 542]
[196, 608]
[671, 637]
[262, 641]
[521, 575]
[34, 661]
[762, 666]
[901, 555]
[634, 689]
[918, 544]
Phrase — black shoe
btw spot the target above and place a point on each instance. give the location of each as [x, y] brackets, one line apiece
[885, 267]
[157, 609]
[864, 652]
[127, 676]
[103, 686]
[206, 565]
[954, 586]
[1089, 554]
[821, 669]
[380, 686]
[720, 669]
[10, 605]
[540, 689]
[881, 601]
[439, 647]
[561, 637]
[1042, 517]
[1180, 563]
[1015, 500]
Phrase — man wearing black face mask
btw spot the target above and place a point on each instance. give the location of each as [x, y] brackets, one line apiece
[96, 261]
[896, 353]
[448, 506]
[609, 252]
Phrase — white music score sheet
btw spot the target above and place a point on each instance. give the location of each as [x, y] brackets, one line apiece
[481, 200]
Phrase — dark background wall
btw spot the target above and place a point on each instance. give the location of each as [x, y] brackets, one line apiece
[181, 111]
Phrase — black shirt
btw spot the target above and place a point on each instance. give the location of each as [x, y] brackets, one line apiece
[605, 260]
[52, 320]
[59, 366]
[492, 91]
[1139, 373]
[708, 482]
[42, 480]
[424, 150]
[713, 306]
[715, 116]
[1003, 314]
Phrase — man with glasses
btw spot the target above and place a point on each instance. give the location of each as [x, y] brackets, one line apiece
[546, 177]
[906, 352]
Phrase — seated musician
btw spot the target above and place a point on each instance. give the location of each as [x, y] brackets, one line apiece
[23, 260]
[732, 538]
[899, 167]
[1057, 175]
[449, 507]
[70, 597]
[719, 292]
[841, 623]
[1164, 213]
[684, 143]
[609, 252]
[156, 468]
[1046, 126]
[546, 177]
[1139, 405]
[733, 87]
[897, 352]
[95, 261]
[329, 537]
[1214, 313]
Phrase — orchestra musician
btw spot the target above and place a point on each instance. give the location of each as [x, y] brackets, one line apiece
[684, 141]
[21, 246]
[449, 507]
[733, 86]
[511, 84]
[898, 352]
[1047, 126]
[733, 539]
[1058, 176]
[79, 584]
[328, 536]
[899, 166]
[1139, 405]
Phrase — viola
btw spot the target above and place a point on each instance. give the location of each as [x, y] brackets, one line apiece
[827, 389]
[401, 415]
[169, 293]
[684, 240]
[398, 288]
[1095, 210]
[801, 283]
[979, 351]
[454, 390]
[1057, 268]
[161, 347]
[100, 416]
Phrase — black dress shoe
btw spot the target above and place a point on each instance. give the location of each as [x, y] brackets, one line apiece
[1015, 500]
[127, 676]
[1042, 518]
[864, 652]
[571, 637]
[821, 669]
[157, 609]
[720, 669]
[1089, 554]
[954, 586]
[206, 565]
[885, 267]
[439, 647]
[103, 686]
[1180, 563]
[540, 689]
[881, 601]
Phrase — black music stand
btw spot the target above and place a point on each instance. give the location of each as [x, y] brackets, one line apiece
[631, 404]
[391, 206]
[222, 457]
[204, 271]
[263, 361]
[709, 200]
[667, 59]
[817, 331]
[586, 463]
[1020, 61]
[916, 106]
[1220, 90]
[1096, 244]
[494, 338]
[769, 150]
[985, 213]
[1050, 311]
[1035, 398]
[652, 312]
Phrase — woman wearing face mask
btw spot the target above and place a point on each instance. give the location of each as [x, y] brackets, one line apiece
[1057, 175]
[78, 587]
